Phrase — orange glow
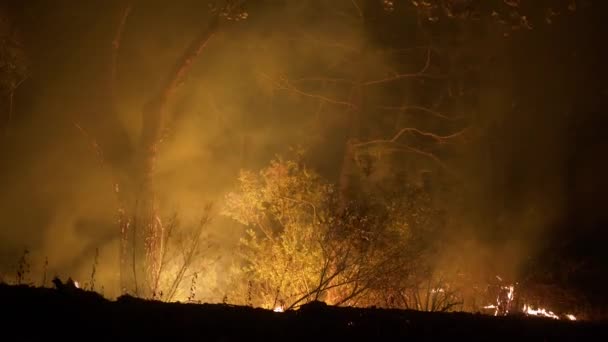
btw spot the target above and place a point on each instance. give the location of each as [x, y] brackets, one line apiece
[541, 312]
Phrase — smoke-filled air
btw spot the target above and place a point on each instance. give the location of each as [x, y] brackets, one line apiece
[428, 155]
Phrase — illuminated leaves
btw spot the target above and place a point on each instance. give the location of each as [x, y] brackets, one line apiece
[299, 246]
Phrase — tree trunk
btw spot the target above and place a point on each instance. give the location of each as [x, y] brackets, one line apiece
[142, 231]
[349, 164]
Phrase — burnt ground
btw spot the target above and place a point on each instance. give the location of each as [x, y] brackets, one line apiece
[42, 313]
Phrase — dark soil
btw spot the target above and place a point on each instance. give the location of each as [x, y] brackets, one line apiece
[73, 314]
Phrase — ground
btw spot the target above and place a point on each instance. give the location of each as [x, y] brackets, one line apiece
[72, 314]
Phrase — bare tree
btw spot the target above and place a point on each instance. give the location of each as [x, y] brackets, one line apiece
[303, 246]
[142, 232]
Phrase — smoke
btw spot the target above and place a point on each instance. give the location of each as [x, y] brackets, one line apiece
[228, 115]
[235, 111]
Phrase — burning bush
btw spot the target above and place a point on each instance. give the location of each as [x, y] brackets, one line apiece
[304, 242]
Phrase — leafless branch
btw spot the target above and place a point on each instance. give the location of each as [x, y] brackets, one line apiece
[398, 146]
[438, 138]
[322, 79]
[358, 8]
[284, 84]
[317, 41]
[404, 50]
[354, 293]
[189, 253]
[92, 144]
[264, 230]
[419, 74]
[421, 109]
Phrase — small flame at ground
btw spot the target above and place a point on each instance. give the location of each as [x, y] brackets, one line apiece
[278, 309]
[505, 301]
[77, 284]
[540, 312]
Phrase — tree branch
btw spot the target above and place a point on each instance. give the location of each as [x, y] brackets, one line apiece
[358, 8]
[184, 64]
[438, 138]
[419, 74]
[310, 38]
[284, 84]
[394, 142]
[407, 108]
[323, 79]
[154, 112]
[313, 207]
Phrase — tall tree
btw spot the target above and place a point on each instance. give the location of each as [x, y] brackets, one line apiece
[142, 232]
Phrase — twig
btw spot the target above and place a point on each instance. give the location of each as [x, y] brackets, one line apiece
[276, 297]
[324, 43]
[322, 79]
[419, 74]
[438, 138]
[189, 255]
[284, 84]
[314, 208]
[357, 7]
[92, 144]
[402, 147]
[393, 141]
[421, 109]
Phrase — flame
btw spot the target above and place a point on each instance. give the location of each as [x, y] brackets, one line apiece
[506, 302]
[77, 284]
[506, 298]
[278, 309]
[511, 291]
[540, 312]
